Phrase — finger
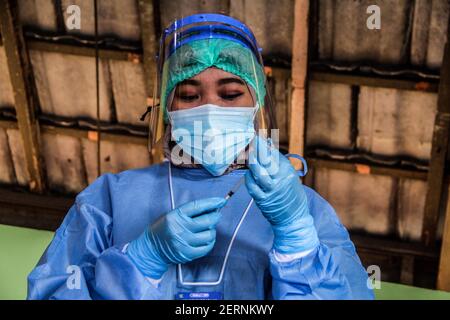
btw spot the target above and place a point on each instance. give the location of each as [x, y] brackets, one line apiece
[204, 222]
[268, 157]
[253, 188]
[285, 166]
[263, 151]
[198, 207]
[201, 238]
[259, 173]
[198, 252]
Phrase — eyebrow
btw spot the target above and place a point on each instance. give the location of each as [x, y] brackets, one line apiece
[190, 82]
[224, 81]
[220, 82]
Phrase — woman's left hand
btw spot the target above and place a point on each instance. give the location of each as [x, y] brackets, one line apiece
[274, 185]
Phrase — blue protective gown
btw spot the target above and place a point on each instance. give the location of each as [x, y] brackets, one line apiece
[117, 208]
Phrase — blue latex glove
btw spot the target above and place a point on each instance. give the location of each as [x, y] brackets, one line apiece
[274, 185]
[182, 235]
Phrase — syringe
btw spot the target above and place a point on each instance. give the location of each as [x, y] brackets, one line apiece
[235, 188]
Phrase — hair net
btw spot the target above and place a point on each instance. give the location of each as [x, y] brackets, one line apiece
[196, 56]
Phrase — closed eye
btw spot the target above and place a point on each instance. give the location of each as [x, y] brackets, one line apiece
[231, 96]
[188, 98]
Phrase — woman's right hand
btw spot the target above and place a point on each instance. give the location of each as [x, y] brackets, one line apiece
[182, 235]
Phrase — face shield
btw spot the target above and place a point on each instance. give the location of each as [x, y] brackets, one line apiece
[209, 69]
[209, 59]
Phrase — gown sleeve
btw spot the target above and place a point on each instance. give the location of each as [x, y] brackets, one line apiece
[81, 262]
[332, 271]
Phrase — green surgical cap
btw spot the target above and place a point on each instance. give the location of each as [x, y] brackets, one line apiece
[196, 56]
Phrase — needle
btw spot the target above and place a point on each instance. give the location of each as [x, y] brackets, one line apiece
[235, 188]
[241, 180]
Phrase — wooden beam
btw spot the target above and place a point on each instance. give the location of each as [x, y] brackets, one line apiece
[40, 45]
[407, 270]
[24, 209]
[443, 279]
[149, 40]
[439, 150]
[46, 212]
[356, 167]
[150, 29]
[299, 74]
[386, 246]
[25, 97]
[316, 75]
[373, 81]
[92, 135]
[29, 210]
[363, 168]
[82, 133]
[59, 17]
[8, 124]
[57, 207]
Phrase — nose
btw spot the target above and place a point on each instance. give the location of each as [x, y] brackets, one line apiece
[211, 97]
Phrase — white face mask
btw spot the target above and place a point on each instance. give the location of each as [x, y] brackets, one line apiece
[213, 135]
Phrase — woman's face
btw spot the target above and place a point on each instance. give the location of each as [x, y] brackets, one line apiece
[212, 86]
